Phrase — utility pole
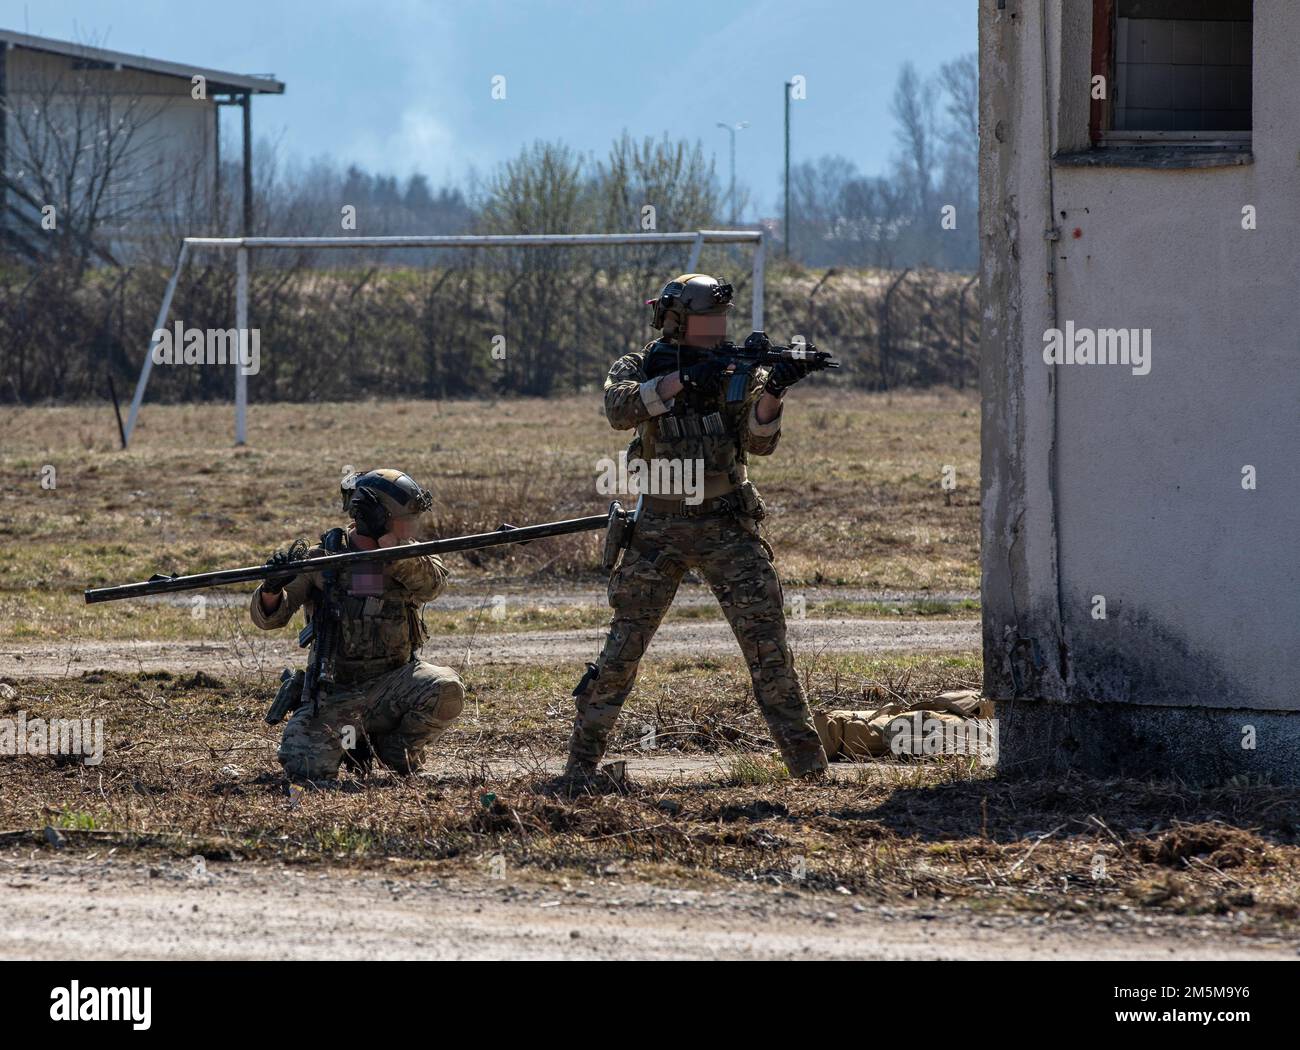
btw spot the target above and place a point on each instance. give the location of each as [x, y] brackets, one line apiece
[788, 86]
[732, 129]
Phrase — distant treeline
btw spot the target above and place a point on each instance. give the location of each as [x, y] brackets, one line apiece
[877, 269]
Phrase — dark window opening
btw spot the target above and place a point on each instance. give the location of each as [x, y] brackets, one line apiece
[1177, 71]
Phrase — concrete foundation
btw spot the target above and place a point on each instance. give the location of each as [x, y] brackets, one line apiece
[1197, 745]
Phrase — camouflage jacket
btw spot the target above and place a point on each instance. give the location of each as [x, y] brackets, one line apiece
[380, 609]
[632, 401]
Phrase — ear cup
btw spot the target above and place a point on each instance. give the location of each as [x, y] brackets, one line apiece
[369, 514]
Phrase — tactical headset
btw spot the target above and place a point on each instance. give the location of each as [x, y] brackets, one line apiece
[672, 297]
[372, 499]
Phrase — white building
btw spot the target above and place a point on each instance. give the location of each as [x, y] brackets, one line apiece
[113, 136]
[1141, 576]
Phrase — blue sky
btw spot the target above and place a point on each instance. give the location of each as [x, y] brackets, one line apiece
[404, 85]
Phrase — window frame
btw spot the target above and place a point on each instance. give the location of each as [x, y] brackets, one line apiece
[1101, 114]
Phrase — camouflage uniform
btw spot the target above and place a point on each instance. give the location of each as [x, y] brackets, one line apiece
[382, 694]
[718, 539]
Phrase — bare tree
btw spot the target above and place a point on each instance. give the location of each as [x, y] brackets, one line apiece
[959, 175]
[674, 179]
[85, 141]
[913, 109]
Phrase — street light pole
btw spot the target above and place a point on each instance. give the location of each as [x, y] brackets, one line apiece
[788, 86]
[731, 130]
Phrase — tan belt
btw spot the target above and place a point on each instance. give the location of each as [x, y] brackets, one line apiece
[680, 508]
[715, 485]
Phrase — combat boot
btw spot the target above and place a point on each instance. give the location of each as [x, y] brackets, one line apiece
[586, 778]
[361, 759]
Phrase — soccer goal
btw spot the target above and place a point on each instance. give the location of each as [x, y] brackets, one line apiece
[242, 246]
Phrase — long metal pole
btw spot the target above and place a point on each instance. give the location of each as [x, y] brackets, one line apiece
[732, 132]
[247, 103]
[244, 341]
[733, 174]
[788, 86]
[215, 225]
[509, 240]
[380, 556]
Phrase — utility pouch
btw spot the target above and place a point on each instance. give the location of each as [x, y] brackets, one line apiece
[593, 672]
[738, 383]
[751, 503]
[618, 535]
[289, 697]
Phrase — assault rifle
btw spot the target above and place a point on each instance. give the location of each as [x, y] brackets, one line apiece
[756, 350]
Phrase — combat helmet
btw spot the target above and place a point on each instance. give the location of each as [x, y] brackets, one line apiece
[373, 498]
[691, 293]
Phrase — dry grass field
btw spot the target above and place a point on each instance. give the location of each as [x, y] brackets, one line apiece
[858, 518]
[853, 491]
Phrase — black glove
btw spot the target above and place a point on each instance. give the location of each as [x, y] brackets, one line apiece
[784, 375]
[284, 558]
[705, 377]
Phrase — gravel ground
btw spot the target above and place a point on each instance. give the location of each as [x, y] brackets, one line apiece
[64, 907]
[681, 639]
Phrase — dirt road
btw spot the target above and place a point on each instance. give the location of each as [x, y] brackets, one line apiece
[64, 907]
[253, 653]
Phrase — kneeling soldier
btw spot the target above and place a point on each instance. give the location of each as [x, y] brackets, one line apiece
[383, 702]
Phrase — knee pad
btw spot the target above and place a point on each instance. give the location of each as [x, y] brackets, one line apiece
[301, 766]
[450, 702]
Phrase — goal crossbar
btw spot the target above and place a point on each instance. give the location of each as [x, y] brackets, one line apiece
[241, 246]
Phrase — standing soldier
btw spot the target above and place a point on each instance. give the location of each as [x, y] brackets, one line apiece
[672, 394]
[383, 701]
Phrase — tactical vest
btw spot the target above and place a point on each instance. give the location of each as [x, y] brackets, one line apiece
[379, 632]
[710, 433]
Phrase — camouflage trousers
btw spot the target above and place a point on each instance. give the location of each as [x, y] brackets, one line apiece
[728, 553]
[399, 714]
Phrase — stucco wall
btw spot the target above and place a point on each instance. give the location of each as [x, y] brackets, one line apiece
[1133, 483]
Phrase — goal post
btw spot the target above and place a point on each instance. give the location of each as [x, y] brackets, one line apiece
[241, 246]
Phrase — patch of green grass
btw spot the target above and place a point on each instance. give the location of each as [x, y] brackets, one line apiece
[755, 771]
[339, 838]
